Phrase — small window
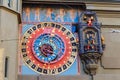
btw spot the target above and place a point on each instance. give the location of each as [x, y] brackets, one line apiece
[10, 3]
[6, 67]
[0, 2]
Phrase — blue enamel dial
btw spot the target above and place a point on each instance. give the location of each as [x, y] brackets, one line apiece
[48, 48]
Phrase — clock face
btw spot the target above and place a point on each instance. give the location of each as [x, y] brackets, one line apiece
[48, 48]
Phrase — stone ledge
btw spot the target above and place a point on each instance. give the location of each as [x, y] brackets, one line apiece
[35, 77]
[107, 77]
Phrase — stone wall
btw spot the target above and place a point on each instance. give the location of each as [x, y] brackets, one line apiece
[8, 42]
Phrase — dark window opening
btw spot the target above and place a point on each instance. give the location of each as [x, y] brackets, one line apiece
[9, 2]
[6, 66]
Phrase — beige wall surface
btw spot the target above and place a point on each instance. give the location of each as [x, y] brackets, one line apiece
[9, 41]
[111, 31]
[107, 77]
[9, 25]
[109, 21]
[1, 62]
[111, 56]
[110, 62]
[112, 6]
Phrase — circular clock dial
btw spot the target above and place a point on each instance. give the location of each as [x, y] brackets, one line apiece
[48, 48]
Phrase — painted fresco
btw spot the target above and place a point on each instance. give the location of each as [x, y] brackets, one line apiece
[38, 14]
[62, 15]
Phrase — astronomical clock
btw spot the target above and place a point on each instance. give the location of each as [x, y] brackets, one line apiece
[48, 48]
